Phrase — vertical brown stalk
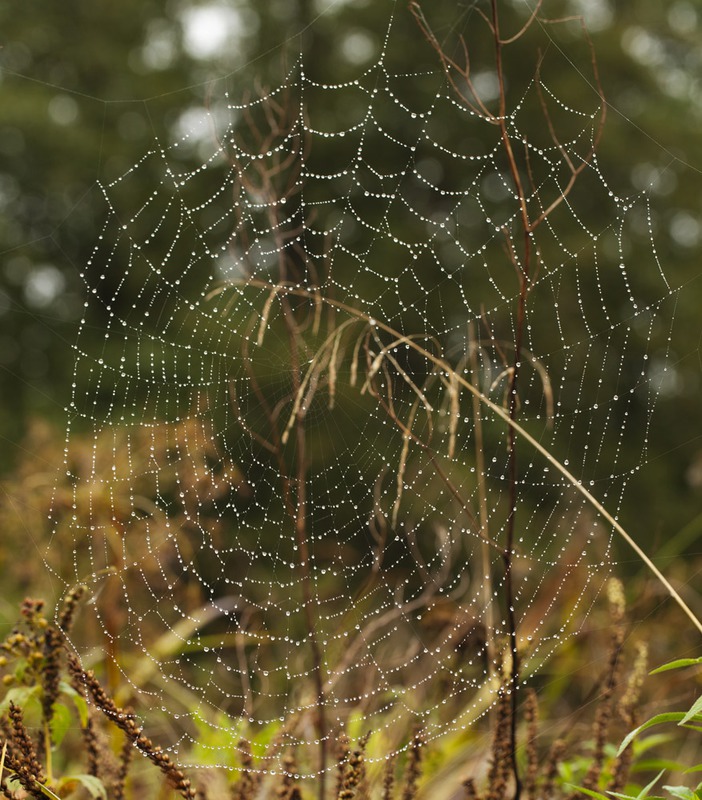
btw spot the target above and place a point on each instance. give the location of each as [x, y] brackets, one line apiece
[531, 714]
[277, 178]
[473, 344]
[523, 270]
[301, 535]
[522, 253]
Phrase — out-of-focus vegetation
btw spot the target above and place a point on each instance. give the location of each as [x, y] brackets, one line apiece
[84, 93]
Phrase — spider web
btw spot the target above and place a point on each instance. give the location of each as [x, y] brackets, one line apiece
[285, 455]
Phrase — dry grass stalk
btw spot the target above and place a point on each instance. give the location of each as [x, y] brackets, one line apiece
[500, 759]
[531, 716]
[3, 789]
[607, 701]
[551, 771]
[413, 768]
[125, 760]
[175, 776]
[333, 369]
[442, 365]
[264, 316]
[454, 391]
[289, 788]
[19, 754]
[402, 465]
[342, 755]
[627, 711]
[70, 606]
[389, 778]
[245, 787]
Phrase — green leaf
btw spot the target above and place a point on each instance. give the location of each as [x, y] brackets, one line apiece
[696, 768]
[678, 664]
[61, 721]
[590, 792]
[78, 701]
[13, 784]
[651, 741]
[670, 716]
[94, 785]
[682, 792]
[685, 793]
[695, 710]
[649, 764]
[21, 696]
[643, 794]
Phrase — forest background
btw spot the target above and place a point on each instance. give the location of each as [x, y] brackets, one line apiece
[87, 90]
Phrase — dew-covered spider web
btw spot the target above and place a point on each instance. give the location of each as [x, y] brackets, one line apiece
[294, 510]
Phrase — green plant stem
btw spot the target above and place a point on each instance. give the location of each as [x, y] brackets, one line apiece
[47, 752]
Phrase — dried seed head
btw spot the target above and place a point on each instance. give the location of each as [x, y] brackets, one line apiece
[616, 597]
[70, 606]
[469, 790]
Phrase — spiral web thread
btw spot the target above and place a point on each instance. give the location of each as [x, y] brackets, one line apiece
[177, 509]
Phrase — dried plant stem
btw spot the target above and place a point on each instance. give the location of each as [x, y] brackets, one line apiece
[304, 550]
[521, 251]
[342, 755]
[531, 714]
[482, 502]
[501, 758]
[607, 701]
[245, 787]
[413, 768]
[278, 178]
[389, 778]
[551, 771]
[125, 759]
